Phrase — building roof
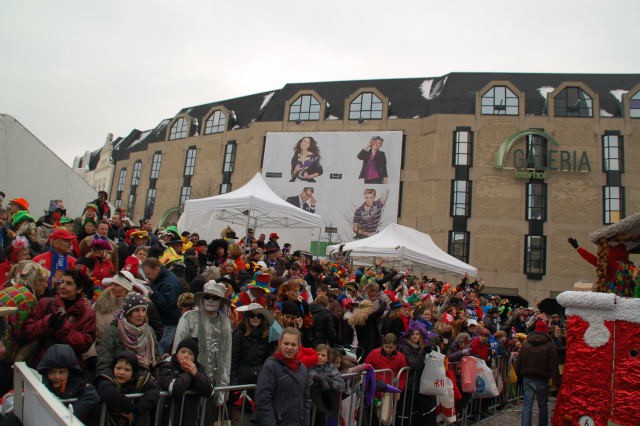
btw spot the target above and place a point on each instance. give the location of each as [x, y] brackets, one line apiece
[454, 93]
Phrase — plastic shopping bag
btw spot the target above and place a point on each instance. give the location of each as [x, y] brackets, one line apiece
[468, 372]
[446, 407]
[432, 381]
[478, 378]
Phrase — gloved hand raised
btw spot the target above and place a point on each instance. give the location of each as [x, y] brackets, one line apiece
[573, 242]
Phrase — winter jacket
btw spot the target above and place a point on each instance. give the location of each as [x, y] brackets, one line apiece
[248, 353]
[114, 395]
[538, 357]
[369, 334]
[329, 373]
[110, 345]
[323, 330]
[63, 356]
[394, 362]
[177, 381]
[479, 349]
[78, 329]
[414, 356]
[166, 289]
[282, 395]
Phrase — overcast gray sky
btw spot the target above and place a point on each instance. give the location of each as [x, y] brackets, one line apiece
[72, 71]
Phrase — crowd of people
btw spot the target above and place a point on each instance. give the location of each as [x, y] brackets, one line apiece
[103, 307]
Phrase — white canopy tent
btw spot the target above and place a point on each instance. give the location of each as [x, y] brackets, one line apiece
[252, 205]
[408, 247]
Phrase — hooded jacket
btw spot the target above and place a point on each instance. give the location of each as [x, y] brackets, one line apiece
[63, 356]
[114, 394]
[177, 381]
[538, 358]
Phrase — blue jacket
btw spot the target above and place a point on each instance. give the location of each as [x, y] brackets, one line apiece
[166, 289]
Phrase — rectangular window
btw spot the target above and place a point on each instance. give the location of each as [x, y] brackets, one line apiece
[613, 197]
[155, 166]
[536, 154]
[612, 153]
[534, 256]
[536, 201]
[185, 194]
[225, 187]
[135, 177]
[461, 198]
[131, 205]
[121, 179]
[459, 245]
[462, 148]
[118, 203]
[151, 202]
[190, 161]
[229, 157]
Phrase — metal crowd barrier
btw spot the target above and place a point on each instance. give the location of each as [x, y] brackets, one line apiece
[404, 409]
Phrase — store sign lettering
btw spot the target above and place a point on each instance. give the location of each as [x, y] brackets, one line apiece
[535, 162]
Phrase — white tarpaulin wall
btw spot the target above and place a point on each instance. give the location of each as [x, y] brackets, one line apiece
[254, 205]
[29, 169]
[412, 248]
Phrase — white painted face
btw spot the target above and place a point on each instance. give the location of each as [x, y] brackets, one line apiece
[211, 304]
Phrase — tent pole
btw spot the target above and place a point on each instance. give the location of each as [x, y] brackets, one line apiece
[318, 247]
[246, 231]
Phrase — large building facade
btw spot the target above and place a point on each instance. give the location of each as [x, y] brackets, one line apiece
[498, 168]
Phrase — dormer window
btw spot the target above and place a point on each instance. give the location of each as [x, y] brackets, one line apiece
[573, 102]
[634, 105]
[367, 106]
[499, 100]
[216, 123]
[179, 130]
[305, 108]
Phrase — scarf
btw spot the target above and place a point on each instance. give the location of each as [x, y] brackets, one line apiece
[292, 363]
[137, 339]
[58, 263]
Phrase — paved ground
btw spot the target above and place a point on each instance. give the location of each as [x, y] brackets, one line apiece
[510, 416]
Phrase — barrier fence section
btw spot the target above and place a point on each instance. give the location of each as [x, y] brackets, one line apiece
[408, 408]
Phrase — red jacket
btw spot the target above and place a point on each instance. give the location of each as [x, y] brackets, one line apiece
[78, 329]
[394, 362]
[479, 349]
[45, 258]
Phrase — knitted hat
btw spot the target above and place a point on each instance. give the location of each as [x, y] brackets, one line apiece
[20, 202]
[132, 301]
[542, 327]
[189, 343]
[21, 215]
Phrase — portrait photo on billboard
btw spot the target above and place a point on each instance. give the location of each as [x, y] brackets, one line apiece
[350, 179]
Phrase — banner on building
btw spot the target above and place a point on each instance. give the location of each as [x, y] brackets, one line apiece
[351, 179]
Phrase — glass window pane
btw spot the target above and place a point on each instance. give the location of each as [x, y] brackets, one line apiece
[366, 106]
[305, 108]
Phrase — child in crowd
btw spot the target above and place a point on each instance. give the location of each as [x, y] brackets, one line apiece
[182, 372]
[126, 378]
[61, 374]
[326, 387]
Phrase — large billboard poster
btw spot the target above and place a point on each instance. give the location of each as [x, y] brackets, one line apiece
[350, 179]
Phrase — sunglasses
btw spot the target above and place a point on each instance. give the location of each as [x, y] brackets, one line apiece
[259, 316]
[209, 297]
